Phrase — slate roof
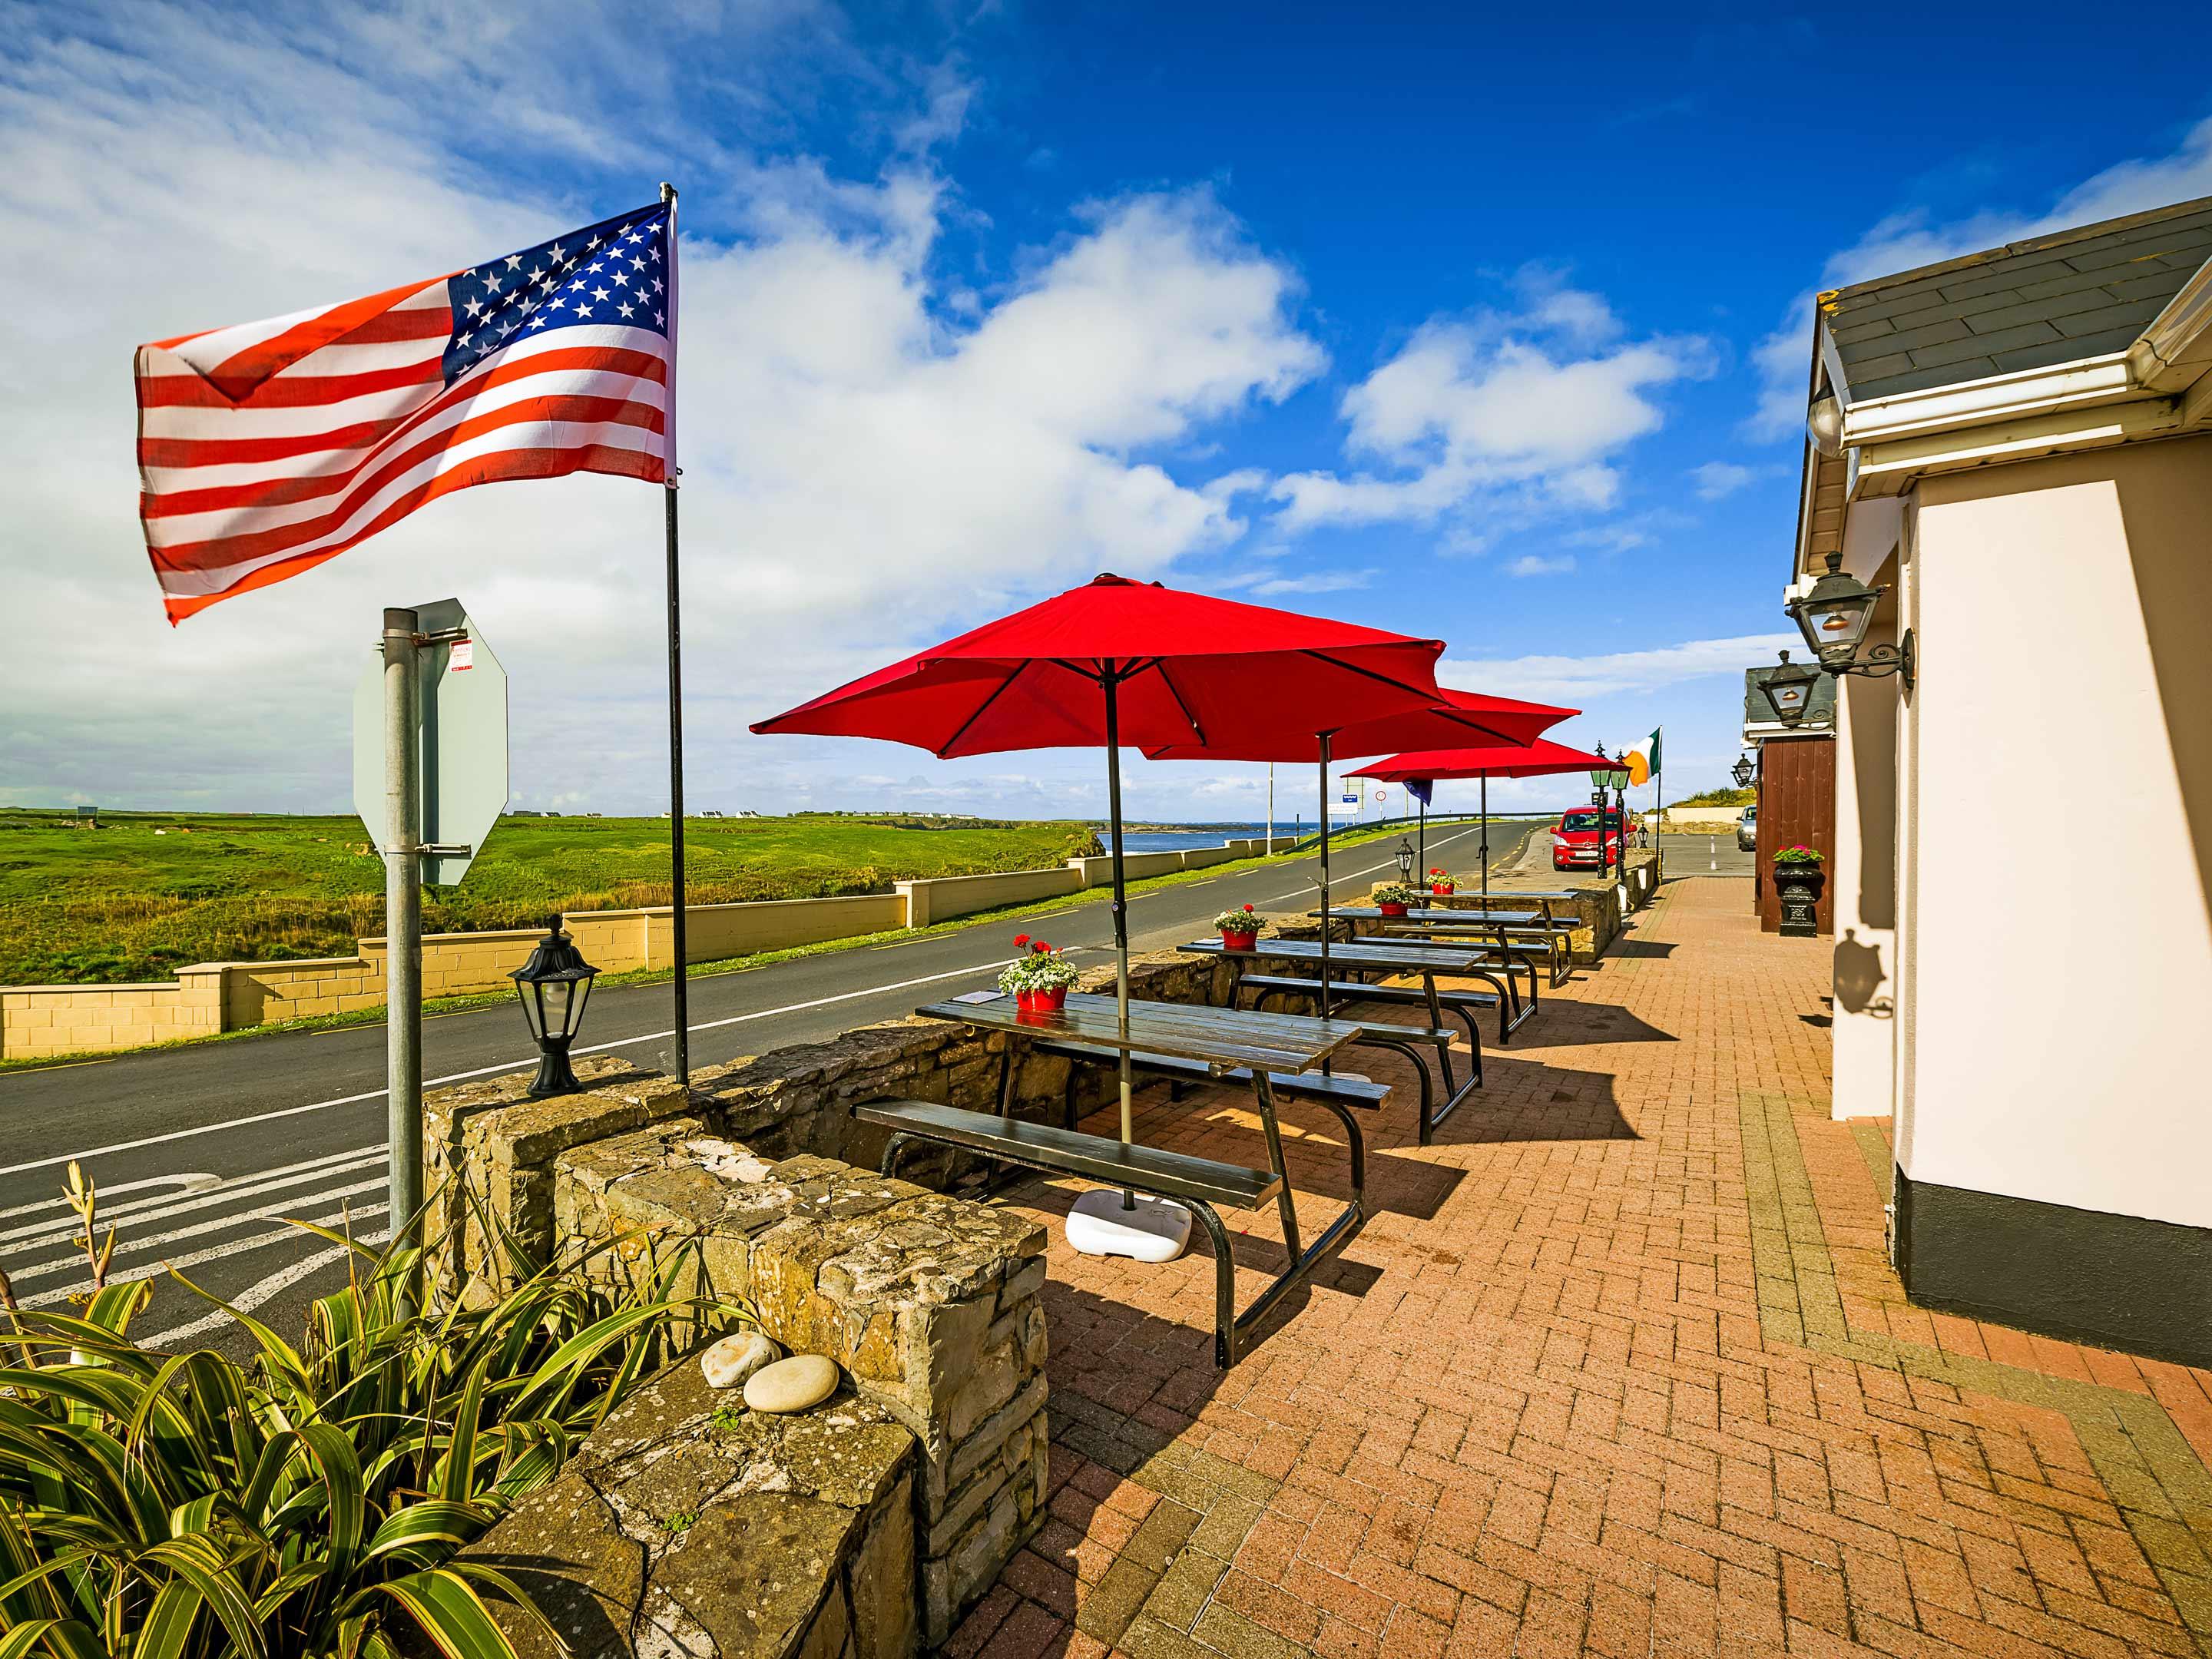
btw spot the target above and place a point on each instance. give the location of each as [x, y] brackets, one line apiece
[2032, 304]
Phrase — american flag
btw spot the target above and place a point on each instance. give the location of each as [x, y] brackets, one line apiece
[265, 448]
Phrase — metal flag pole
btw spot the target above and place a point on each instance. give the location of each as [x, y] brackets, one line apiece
[1659, 816]
[403, 929]
[677, 895]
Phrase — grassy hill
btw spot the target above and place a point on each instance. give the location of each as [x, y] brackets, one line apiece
[148, 892]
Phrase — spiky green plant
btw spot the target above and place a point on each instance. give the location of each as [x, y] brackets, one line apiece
[310, 1501]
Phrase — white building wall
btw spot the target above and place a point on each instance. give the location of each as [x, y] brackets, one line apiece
[2054, 1046]
[1864, 874]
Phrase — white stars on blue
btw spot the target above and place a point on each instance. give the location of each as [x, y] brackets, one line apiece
[613, 272]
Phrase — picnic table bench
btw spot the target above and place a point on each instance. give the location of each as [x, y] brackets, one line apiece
[1227, 1044]
[1518, 936]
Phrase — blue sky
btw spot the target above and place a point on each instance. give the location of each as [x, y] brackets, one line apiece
[1487, 325]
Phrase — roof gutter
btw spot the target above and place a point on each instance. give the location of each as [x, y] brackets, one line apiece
[2159, 386]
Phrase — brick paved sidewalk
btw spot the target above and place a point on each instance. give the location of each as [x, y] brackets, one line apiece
[1619, 1368]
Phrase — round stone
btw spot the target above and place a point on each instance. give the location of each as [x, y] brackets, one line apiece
[737, 1356]
[792, 1384]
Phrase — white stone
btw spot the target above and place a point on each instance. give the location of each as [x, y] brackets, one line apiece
[737, 1356]
[792, 1384]
[1155, 1230]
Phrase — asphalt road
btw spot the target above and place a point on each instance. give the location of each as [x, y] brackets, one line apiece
[201, 1154]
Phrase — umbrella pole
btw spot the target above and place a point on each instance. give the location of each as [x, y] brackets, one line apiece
[1424, 843]
[1120, 903]
[1325, 737]
[1483, 845]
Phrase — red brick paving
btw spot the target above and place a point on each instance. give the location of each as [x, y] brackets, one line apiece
[1533, 1410]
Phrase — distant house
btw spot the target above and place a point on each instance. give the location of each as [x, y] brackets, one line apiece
[2017, 445]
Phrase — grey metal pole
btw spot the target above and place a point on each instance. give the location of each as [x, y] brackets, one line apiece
[1484, 845]
[1111, 681]
[1325, 738]
[679, 896]
[1270, 850]
[403, 926]
[1423, 832]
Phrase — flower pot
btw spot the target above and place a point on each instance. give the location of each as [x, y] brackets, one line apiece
[1798, 886]
[1050, 1000]
[1393, 909]
[1444, 889]
[1239, 941]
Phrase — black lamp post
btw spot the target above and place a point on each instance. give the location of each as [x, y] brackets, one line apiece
[1789, 688]
[1834, 617]
[1405, 862]
[554, 985]
[1601, 780]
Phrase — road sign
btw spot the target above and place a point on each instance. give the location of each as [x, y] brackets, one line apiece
[461, 740]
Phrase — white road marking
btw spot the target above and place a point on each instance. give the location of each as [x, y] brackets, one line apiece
[259, 1291]
[213, 1253]
[213, 1192]
[261, 1213]
[189, 1183]
[488, 1070]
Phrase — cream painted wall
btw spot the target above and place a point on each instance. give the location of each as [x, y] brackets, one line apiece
[2063, 607]
[1864, 872]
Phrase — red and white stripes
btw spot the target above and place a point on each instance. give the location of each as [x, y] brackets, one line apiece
[266, 448]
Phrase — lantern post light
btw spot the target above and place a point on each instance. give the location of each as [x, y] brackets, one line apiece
[1788, 689]
[554, 985]
[1834, 615]
[1743, 771]
[1405, 862]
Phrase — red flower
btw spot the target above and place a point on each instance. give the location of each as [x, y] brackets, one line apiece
[1247, 908]
[1021, 938]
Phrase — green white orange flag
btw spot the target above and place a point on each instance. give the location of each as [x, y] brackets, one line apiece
[1643, 761]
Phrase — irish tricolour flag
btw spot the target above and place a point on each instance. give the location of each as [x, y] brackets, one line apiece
[1643, 761]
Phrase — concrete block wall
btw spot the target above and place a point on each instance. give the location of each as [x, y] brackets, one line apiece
[946, 897]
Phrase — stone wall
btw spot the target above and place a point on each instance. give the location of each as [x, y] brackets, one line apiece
[687, 1525]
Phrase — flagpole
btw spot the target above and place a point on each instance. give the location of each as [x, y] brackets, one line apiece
[678, 898]
[1659, 817]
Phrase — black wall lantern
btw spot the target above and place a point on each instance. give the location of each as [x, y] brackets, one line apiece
[554, 985]
[1789, 688]
[1743, 771]
[1834, 617]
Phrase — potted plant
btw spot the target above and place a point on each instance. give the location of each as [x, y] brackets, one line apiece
[1797, 881]
[1391, 898]
[1039, 977]
[1239, 929]
[1441, 883]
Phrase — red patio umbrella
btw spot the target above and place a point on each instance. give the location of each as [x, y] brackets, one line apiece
[1517, 761]
[1454, 718]
[1116, 662]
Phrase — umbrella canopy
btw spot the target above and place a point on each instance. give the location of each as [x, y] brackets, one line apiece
[1531, 760]
[1456, 717]
[1187, 670]
[1116, 662]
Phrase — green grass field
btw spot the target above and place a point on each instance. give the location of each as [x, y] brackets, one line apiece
[148, 893]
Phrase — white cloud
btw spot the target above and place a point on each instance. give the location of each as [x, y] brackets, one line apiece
[863, 466]
[1527, 405]
[1904, 241]
[1717, 479]
[1573, 678]
[1533, 564]
[1319, 582]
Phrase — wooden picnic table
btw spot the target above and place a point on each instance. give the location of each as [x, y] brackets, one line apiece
[1425, 959]
[1225, 1039]
[1436, 916]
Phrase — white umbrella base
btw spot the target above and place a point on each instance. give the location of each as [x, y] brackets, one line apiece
[1155, 1230]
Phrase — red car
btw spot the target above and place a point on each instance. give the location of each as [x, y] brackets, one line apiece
[1574, 838]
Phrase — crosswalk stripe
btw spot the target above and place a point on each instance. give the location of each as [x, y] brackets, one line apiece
[258, 1292]
[128, 1247]
[189, 1183]
[214, 1253]
[57, 1229]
